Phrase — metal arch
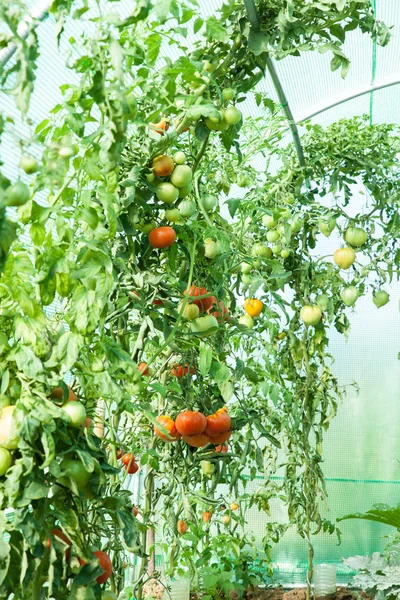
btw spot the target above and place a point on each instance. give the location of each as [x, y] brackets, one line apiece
[362, 92]
[38, 13]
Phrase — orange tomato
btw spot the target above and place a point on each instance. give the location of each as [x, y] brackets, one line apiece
[135, 511]
[170, 426]
[143, 368]
[221, 438]
[190, 423]
[234, 506]
[207, 516]
[130, 463]
[222, 448]
[197, 441]
[163, 165]
[180, 371]
[253, 307]
[226, 519]
[162, 237]
[161, 127]
[218, 423]
[57, 394]
[182, 527]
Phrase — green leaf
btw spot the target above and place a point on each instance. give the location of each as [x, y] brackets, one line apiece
[68, 348]
[205, 359]
[233, 205]
[4, 559]
[48, 446]
[216, 30]
[226, 388]
[258, 42]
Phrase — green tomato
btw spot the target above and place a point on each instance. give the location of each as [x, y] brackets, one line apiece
[247, 321]
[190, 312]
[246, 279]
[108, 595]
[17, 194]
[75, 470]
[310, 315]
[185, 191]
[179, 158]
[326, 226]
[285, 253]
[208, 66]
[344, 257]
[276, 249]
[67, 151]
[208, 202]
[242, 181]
[8, 438]
[285, 213]
[187, 208]
[167, 192]
[349, 295]
[355, 236]
[212, 248]
[296, 225]
[232, 115]
[5, 461]
[228, 94]
[246, 268]
[268, 221]
[97, 365]
[273, 236]
[181, 176]
[204, 325]
[261, 250]
[380, 298]
[207, 467]
[172, 214]
[146, 226]
[216, 123]
[29, 164]
[150, 177]
[75, 411]
[323, 301]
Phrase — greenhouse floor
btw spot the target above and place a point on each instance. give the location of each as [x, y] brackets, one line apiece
[279, 593]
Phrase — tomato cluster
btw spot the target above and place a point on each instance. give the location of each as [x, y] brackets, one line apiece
[196, 429]
[130, 464]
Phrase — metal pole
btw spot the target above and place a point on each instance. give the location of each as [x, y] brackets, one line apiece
[38, 14]
[254, 19]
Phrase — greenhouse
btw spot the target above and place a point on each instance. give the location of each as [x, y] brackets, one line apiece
[199, 299]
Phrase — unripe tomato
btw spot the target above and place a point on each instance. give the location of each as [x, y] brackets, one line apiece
[234, 506]
[228, 94]
[247, 321]
[109, 595]
[246, 268]
[106, 564]
[67, 151]
[226, 519]
[187, 208]
[172, 214]
[323, 301]
[276, 249]
[310, 315]
[268, 221]
[326, 226]
[204, 325]
[208, 202]
[17, 194]
[380, 298]
[167, 192]
[253, 307]
[170, 426]
[261, 250]
[355, 236]
[212, 248]
[146, 226]
[179, 158]
[75, 411]
[75, 470]
[8, 439]
[163, 165]
[185, 191]
[207, 467]
[5, 461]
[344, 257]
[162, 237]
[285, 253]
[216, 123]
[242, 181]
[273, 235]
[150, 177]
[182, 527]
[232, 115]
[190, 423]
[206, 516]
[246, 279]
[296, 225]
[349, 295]
[29, 164]
[190, 312]
[181, 176]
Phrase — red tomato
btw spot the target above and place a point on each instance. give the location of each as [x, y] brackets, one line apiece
[197, 441]
[170, 426]
[61, 535]
[218, 423]
[180, 371]
[220, 314]
[190, 423]
[130, 465]
[143, 368]
[162, 237]
[57, 394]
[157, 302]
[204, 304]
[135, 511]
[105, 563]
[221, 438]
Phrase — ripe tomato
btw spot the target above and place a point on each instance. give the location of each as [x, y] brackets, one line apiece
[380, 298]
[5, 461]
[29, 164]
[130, 463]
[204, 304]
[17, 194]
[181, 176]
[221, 314]
[76, 471]
[197, 441]
[247, 321]
[232, 115]
[310, 315]
[223, 448]
[180, 371]
[161, 127]
[135, 511]
[169, 425]
[75, 411]
[58, 394]
[106, 565]
[204, 325]
[166, 192]
[163, 165]
[344, 257]
[349, 295]
[355, 236]
[218, 423]
[143, 368]
[220, 438]
[162, 237]
[253, 307]
[190, 423]
[60, 535]
[8, 439]
[182, 527]
[206, 516]
[234, 506]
